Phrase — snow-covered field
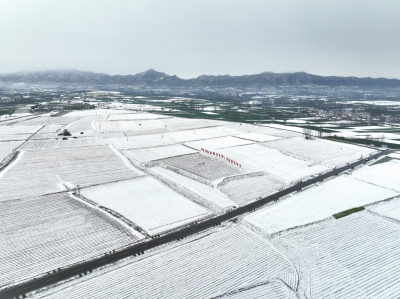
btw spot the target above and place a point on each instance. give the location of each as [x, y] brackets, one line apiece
[390, 208]
[148, 203]
[169, 138]
[156, 153]
[206, 194]
[128, 125]
[135, 116]
[217, 143]
[85, 125]
[6, 148]
[204, 167]
[50, 129]
[259, 255]
[59, 143]
[274, 290]
[246, 188]
[385, 174]
[255, 157]
[265, 129]
[18, 129]
[325, 152]
[45, 120]
[17, 137]
[211, 265]
[352, 257]
[318, 203]
[52, 170]
[42, 234]
[283, 127]
[178, 124]
[257, 137]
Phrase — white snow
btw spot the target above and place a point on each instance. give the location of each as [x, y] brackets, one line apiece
[207, 193]
[211, 265]
[217, 143]
[148, 203]
[283, 127]
[14, 137]
[352, 257]
[128, 125]
[256, 157]
[51, 170]
[317, 203]
[257, 137]
[50, 129]
[205, 167]
[136, 116]
[169, 138]
[59, 143]
[18, 129]
[44, 233]
[244, 188]
[6, 148]
[389, 208]
[385, 174]
[177, 123]
[273, 290]
[325, 152]
[157, 153]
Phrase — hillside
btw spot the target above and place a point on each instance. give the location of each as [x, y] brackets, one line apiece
[152, 78]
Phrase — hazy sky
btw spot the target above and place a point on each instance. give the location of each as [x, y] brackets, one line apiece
[188, 38]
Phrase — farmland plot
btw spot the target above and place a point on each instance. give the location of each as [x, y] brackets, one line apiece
[14, 137]
[207, 193]
[389, 208]
[385, 174]
[26, 177]
[242, 189]
[48, 120]
[353, 257]
[148, 203]
[128, 125]
[255, 157]
[160, 152]
[169, 138]
[52, 170]
[257, 137]
[59, 143]
[140, 141]
[217, 143]
[98, 112]
[204, 167]
[136, 116]
[265, 129]
[325, 152]
[211, 266]
[17, 129]
[85, 124]
[177, 123]
[202, 133]
[44, 233]
[6, 148]
[273, 290]
[318, 203]
[50, 129]
[284, 127]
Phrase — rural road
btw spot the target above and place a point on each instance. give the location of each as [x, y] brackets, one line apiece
[85, 267]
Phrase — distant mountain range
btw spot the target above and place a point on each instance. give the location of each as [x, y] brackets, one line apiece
[152, 78]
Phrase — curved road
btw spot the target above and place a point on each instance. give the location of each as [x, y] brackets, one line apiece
[137, 249]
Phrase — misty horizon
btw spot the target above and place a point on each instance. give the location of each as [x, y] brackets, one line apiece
[189, 39]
